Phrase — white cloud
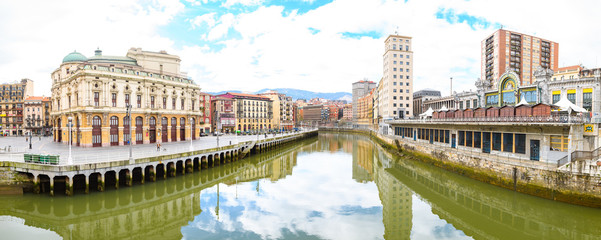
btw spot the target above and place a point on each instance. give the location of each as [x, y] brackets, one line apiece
[208, 18]
[272, 47]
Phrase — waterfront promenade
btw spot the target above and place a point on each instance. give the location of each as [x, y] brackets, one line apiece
[13, 148]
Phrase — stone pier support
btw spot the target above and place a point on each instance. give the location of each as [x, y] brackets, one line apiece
[189, 167]
[69, 185]
[101, 182]
[172, 170]
[142, 180]
[152, 175]
[36, 184]
[164, 171]
[116, 180]
[51, 185]
[128, 178]
[87, 190]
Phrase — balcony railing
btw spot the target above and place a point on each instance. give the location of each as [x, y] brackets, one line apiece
[500, 119]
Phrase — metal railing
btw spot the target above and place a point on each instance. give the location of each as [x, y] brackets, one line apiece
[524, 119]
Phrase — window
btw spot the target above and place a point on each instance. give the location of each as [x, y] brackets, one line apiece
[164, 103]
[587, 99]
[530, 96]
[139, 97]
[127, 99]
[461, 138]
[572, 96]
[468, 139]
[96, 99]
[192, 104]
[496, 141]
[556, 98]
[151, 101]
[467, 104]
[406, 47]
[507, 142]
[475, 105]
[477, 139]
[520, 143]
[114, 99]
[182, 102]
[173, 103]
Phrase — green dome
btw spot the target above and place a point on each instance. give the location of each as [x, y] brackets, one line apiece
[75, 57]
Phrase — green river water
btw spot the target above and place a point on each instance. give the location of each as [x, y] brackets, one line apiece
[335, 186]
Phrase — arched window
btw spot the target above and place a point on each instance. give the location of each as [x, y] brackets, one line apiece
[96, 131]
[114, 132]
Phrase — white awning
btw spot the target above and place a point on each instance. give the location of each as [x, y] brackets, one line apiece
[565, 105]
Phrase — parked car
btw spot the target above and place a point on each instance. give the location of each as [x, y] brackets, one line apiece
[202, 134]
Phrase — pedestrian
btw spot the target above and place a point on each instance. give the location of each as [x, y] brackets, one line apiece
[158, 147]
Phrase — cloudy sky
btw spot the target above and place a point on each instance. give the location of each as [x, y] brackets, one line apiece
[307, 44]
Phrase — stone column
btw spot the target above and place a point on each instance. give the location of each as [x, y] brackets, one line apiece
[69, 185]
[87, 184]
[183, 167]
[128, 178]
[152, 174]
[190, 167]
[101, 182]
[51, 185]
[116, 179]
[36, 184]
[142, 172]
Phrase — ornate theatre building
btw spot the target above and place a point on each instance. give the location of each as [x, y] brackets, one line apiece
[93, 94]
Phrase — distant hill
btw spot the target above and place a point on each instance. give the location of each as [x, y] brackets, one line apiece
[300, 94]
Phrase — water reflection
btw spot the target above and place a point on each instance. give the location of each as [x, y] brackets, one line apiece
[335, 187]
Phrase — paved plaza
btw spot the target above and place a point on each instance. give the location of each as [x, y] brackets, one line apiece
[45, 145]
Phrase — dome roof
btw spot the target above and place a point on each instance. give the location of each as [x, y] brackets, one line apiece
[75, 57]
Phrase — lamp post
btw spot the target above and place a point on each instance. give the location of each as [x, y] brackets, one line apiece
[191, 147]
[30, 131]
[128, 111]
[70, 158]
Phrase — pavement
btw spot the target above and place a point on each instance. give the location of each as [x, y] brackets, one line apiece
[81, 155]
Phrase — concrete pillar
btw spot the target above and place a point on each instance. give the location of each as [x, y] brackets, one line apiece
[183, 167]
[69, 185]
[87, 184]
[142, 179]
[189, 166]
[51, 185]
[116, 179]
[151, 174]
[128, 178]
[101, 182]
[164, 171]
[172, 170]
[36, 184]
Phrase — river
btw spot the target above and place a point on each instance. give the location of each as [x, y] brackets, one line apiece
[335, 186]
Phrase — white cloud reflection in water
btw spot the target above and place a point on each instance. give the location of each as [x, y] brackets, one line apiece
[319, 200]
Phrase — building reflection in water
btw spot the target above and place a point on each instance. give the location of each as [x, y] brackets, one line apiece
[168, 208]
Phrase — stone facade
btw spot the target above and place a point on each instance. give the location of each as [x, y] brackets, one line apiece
[95, 92]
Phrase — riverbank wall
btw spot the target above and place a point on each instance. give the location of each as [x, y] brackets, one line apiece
[17, 177]
[549, 183]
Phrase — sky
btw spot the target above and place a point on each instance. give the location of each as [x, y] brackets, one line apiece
[321, 46]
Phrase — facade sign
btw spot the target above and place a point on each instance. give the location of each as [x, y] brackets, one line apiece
[589, 129]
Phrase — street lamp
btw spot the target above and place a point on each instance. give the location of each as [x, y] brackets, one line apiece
[128, 112]
[30, 131]
[70, 158]
[191, 147]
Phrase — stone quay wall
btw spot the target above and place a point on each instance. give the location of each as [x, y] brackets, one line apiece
[541, 181]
